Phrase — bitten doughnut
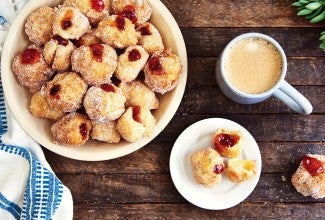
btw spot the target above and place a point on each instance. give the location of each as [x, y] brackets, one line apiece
[105, 131]
[57, 52]
[138, 93]
[309, 179]
[70, 23]
[73, 129]
[31, 69]
[138, 11]
[239, 170]
[96, 63]
[227, 143]
[104, 103]
[135, 123]
[117, 31]
[162, 71]
[149, 38]
[40, 109]
[130, 63]
[38, 25]
[65, 92]
[94, 10]
[207, 166]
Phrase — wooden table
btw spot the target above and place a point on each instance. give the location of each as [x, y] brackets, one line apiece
[139, 186]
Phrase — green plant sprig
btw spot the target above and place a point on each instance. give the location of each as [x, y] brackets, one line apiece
[314, 11]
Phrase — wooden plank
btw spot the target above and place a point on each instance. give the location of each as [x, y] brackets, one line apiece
[236, 13]
[200, 99]
[188, 211]
[159, 188]
[296, 42]
[277, 157]
[264, 127]
[301, 71]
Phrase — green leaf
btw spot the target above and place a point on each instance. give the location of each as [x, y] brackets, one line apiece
[322, 38]
[322, 46]
[297, 4]
[313, 6]
[304, 1]
[322, 33]
[315, 13]
[304, 12]
[318, 18]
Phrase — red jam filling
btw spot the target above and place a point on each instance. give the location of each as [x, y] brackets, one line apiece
[97, 51]
[129, 12]
[218, 168]
[222, 141]
[98, 5]
[312, 165]
[107, 87]
[61, 40]
[78, 43]
[155, 66]
[120, 23]
[30, 56]
[66, 21]
[54, 91]
[134, 55]
[83, 131]
[145, 30]
[136, 113]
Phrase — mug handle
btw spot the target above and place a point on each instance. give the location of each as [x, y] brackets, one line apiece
[294, 99]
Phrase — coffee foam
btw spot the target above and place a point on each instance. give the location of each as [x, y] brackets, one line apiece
[253, 65]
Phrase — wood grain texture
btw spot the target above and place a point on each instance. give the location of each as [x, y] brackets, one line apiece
[159, 188]
[277, 157]
[236, 13]
[296, 42]
[188, 211]
[301, 71]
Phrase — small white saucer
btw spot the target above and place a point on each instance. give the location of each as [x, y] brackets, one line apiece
[226, 194]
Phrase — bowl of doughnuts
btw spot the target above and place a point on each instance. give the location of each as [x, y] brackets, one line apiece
[94, 79]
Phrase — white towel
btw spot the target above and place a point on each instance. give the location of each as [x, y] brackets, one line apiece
[28, 187]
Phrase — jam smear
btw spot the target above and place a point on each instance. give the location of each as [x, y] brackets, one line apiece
[312, 165]
[66, 21]
[30, 56]
[136, 113]
[98, 5]
[218, 168]
[107, 87]
[120, 23]
[61, 40]
[222, 141]
[129, 12]
[97, 51]
[83, 131]
[134, 55]
[78, 43]
[145, 30]
[155, 65]
[54, 91]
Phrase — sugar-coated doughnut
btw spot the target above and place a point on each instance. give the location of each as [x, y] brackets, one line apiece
[207, 166]
[73, 129]
[31, 69]
[239, 170]
[149, 38]
[38, 25]
[163, 71]
[65, 91]
[227, 143]
[105, 131]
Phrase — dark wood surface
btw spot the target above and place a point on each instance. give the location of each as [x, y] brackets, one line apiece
[139, 186]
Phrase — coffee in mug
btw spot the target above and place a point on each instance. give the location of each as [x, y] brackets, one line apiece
[253, 65]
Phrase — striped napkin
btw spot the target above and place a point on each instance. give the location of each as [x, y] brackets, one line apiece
[28, 187]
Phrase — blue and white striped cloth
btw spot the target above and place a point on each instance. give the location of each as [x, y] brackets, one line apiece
[28, 187]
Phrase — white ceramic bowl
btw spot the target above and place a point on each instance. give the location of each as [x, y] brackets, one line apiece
[18, 97]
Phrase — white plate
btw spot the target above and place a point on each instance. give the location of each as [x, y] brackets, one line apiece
[225, 194]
